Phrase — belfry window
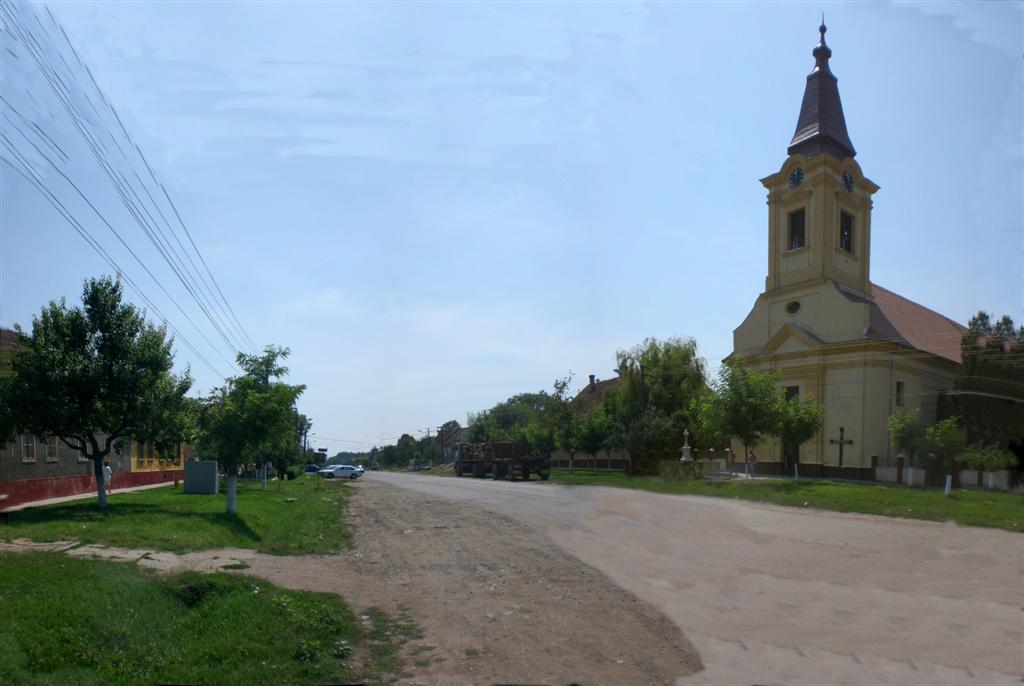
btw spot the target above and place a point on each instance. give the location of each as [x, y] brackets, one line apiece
[796, 230]
[845, 232]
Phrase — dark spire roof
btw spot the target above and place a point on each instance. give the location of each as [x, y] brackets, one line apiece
[821, 126]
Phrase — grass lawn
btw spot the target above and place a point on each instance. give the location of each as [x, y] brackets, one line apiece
[996, 509]
[78, 621]
[297, 519]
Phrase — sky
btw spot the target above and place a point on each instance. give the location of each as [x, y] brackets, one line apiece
[438, 205]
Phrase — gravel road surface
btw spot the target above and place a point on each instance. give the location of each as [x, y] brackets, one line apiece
[498, 602]
[771, 595]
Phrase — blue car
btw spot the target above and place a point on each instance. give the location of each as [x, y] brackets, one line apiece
[311, 469]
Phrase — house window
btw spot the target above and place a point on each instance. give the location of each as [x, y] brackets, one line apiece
[28, 449]
[899, 394]
[52, 454]
[796, 229]
[792, 392]
[846, 232]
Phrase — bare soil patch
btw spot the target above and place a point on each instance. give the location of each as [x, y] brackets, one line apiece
[496, 600]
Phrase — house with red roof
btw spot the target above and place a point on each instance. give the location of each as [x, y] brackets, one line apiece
[862, 350]
[34, 468]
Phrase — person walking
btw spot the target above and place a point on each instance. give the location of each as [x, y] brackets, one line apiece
[108, 475]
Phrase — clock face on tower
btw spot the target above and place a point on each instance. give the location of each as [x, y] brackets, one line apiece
[796, 177]
[848, 181]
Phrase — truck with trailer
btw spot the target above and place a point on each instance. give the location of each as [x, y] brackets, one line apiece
[500, 461]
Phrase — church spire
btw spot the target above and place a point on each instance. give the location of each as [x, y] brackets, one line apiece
[821, 126]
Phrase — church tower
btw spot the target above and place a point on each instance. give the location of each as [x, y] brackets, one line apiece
[819, 202]
[820, 324]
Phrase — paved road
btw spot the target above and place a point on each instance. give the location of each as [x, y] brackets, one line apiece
[773, 595]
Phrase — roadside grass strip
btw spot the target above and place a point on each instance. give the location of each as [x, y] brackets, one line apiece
[300, 518]
[80, 621]
[968, 507]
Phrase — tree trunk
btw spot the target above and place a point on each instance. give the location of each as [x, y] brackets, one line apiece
[796, 471]
[232, 492]
[263, 478]
[988, 480]
[949, 484]
[746, 460]
[571, 456]
[101, 486]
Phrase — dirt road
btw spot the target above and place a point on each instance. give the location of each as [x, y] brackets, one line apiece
[766, 594]
[498, 602]
[534, 583]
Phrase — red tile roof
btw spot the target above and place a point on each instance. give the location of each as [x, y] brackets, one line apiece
[902, 321]
[592, 394]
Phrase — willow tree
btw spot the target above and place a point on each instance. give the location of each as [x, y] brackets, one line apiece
[250, 416]
[652, 405]
[94, 376]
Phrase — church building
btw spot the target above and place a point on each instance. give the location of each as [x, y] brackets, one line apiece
[863, 351]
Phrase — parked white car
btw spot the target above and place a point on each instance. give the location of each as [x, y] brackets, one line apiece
[340, 471]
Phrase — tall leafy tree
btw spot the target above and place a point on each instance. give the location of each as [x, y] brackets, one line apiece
[251, 415]
[652, 405]
[745, 405]
[96, 375]
[907, 432]
[948, 438]
[406, 449]
[593, 433]
[800, 419]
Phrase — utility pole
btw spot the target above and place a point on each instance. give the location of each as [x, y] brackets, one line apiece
[431, 461]
[441, 441]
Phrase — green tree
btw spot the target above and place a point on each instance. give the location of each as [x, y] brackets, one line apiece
[653, 403]
[429, 449]
[251, 415]
[406, 450]
[96, 375]
[448, 435]
[388, 456]
[800, 419]
[508, 421]
[564, 423]
[989, 388]
[948, 438]
[745, 405]
[302, 426]
[593, 433]
[907, 433]
[988, 459]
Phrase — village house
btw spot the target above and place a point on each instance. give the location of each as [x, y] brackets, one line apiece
[33, 469]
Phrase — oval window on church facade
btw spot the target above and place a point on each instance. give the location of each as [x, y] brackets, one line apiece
[793, 306]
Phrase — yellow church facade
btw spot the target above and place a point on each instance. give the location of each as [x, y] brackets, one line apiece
[862, 351]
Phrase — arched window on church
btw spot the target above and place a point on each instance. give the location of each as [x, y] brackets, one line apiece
[846, 232]
[796, 229]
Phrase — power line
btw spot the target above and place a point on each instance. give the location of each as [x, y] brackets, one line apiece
[225, 322]
[95, 245]
[50, 196]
